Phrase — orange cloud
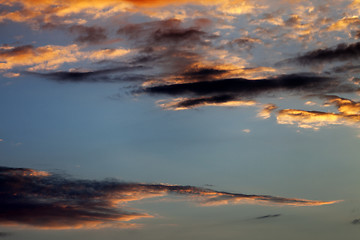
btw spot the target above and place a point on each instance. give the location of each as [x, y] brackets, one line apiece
[309, 119]
[51, 57]
[45, 10]
[265, 113]
[346, 23]
[349, 115]
[47, 57]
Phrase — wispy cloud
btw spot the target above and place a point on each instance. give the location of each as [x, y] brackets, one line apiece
[188, 103]
[42, 200]
[51, 57]
[116, 74]
[265, 113]
[268, 216]
[341, 52]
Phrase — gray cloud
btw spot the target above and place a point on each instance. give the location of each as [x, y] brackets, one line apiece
[89, 34]
[4, 234]
[341, 52]
[269, 216]
[43, 200]
[356, 221]
[301, 82]
[114, 74]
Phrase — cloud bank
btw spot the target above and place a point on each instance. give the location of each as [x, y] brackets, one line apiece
[39, 199]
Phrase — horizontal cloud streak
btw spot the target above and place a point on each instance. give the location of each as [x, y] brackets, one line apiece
[221, 100]
[342, 52]
[247, 87]
[42, 200]
[102, 75]
[51, 57]
[269, 216]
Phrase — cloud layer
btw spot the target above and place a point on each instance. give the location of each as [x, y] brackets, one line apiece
[42, 200]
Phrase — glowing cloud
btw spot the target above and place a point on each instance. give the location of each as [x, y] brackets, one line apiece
[265, 113]
[50, 57]
[349, 115]
[44, 11]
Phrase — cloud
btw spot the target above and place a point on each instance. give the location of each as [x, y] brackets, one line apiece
[346, 23]
[342, 52]
[178, 51]
[90, 35]
[268, 216]
[356, 221]
[45, 57]
[102, 75]
[43, 200]
[4, 234]
[189, 103]
[46, 11]
[247, 87]
[347, 68]
[51, 57]
[265, 113]
[348, 114]
[245, 43]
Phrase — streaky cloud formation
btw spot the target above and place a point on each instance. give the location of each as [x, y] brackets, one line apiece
[102, 75]
[221, 100]
[302, 82]
[43, 200]
[269, 216]
[342, 52]
[51, 57]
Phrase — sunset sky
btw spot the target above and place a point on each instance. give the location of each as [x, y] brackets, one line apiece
[157, 120]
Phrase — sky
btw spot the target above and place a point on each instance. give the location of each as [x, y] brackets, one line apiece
[139, 119]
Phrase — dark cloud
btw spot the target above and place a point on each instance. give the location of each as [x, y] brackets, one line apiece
[293, 20]
[42, 200]
[102, 75]
[166, 32]
[341, 52]
[91, 34]
[4, 234]
[7, 51]
[347, 68]
[269, 216]
[247, 87]
[357, 34]
[245, 43]
[356, 221]
[203, 73]
[189, 103]
[169, 45]
[176, 35]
